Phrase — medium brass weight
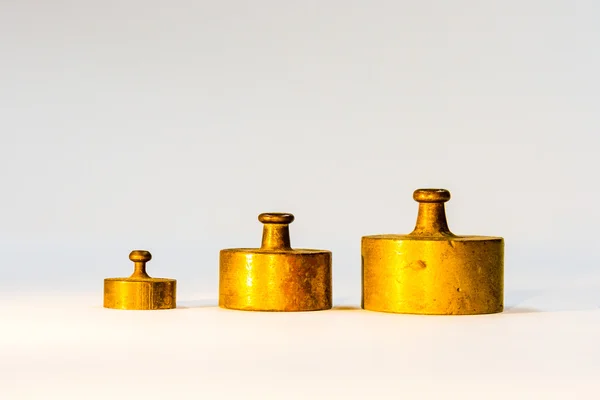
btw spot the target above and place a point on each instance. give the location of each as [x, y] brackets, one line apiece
[431, 270]
[275, 277]
[140, 291]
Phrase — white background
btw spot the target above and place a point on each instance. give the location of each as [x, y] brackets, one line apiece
[169, 126]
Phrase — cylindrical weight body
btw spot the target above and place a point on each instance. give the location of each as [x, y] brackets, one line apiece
[272, 280]
[446, 275]
[140, 294]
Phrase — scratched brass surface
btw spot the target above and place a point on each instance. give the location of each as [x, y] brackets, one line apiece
[275, 277]
[140, 291]
[431, 270]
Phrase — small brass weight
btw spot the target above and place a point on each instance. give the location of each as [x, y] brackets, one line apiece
[432, 270]
[275, 277]
[140, 291]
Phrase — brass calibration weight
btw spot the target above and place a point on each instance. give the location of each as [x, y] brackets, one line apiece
[275, 277]
[432, 270]
[140, 291]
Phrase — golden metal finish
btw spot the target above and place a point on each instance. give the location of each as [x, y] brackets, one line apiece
[431, 270]
[275, 277]
[139, 291]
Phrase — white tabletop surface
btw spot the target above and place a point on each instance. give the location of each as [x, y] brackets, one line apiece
[545, 345]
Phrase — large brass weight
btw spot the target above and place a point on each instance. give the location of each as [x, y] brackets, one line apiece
[431, 270]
